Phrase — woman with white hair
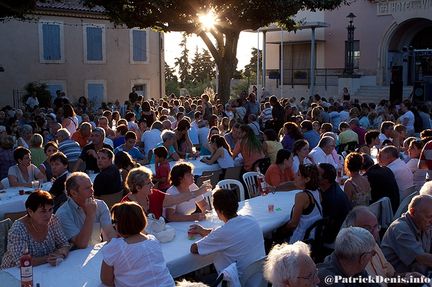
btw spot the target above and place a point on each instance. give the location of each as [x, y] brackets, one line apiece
[354, 249]
[290, 265]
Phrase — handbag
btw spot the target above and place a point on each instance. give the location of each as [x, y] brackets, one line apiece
[157, 227]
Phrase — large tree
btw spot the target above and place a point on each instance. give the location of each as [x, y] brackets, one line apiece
[221, 39]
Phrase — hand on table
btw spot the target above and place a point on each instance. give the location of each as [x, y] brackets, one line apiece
[55, 259]
[198, 229]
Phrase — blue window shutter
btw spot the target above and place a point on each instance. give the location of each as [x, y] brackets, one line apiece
[51, 42]
[95, 94]
[139, 42]
[94, 44]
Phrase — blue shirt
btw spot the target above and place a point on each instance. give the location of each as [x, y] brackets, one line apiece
[312, 138]
[133, 152]
[72, 219]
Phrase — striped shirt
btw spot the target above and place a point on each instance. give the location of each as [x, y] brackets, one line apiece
[71, 149]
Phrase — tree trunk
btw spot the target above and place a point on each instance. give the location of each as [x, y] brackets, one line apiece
[224, 54]
[224, 81]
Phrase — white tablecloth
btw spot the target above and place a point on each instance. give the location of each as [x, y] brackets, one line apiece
[199, 167]
[11, 201]
[82, 267]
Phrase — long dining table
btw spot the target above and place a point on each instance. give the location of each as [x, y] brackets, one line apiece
[199, 166]
[82, 267]
[12, 201]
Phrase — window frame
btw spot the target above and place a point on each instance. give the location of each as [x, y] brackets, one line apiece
[92, 25]
[103, 82]
[42, 60]
[131, 42]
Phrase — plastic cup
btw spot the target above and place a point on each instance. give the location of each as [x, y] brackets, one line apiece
[191, 235]
[21, 192]
[35, 184]
[270, 207]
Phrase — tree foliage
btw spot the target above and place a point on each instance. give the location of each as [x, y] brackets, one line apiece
[234, 16]
[182, 63]
[170, 73]
[250, 69]
[16, 8]
[203, 67]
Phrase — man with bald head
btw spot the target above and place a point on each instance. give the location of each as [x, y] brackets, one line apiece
[361, 216]
[407, 242]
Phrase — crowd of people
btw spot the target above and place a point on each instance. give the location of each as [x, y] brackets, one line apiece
[342, 155]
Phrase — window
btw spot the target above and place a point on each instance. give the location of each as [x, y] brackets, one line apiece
[356, 53]
[142, 87]
[51, 47]
[95, 92]
[94, 43]
[141, 90]
[138, 46]
[54, 86]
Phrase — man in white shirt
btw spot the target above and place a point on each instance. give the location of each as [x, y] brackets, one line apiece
[193, 131]
[407, 119]
[239, 240]
[323, 152]
[389, 157]
[152, 137]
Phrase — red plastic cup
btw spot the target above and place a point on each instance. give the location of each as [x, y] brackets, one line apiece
[270, 207]
[21, 192]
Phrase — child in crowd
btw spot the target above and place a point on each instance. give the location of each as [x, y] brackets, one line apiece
[45, 167]
[162, 168]
[36, 149]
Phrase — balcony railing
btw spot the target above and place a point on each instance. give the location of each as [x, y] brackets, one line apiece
[323, 77]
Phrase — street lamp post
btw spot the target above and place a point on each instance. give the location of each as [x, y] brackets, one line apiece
[349, 51]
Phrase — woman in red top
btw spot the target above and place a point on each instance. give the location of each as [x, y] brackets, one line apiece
[249, 146]
[280, 172]
[140, 186]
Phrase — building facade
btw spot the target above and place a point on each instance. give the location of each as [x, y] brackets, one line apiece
[392, 42]
[79, 51]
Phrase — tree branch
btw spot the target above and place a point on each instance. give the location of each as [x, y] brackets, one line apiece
[210, 46]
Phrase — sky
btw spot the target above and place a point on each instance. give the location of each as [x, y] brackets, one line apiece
[247, 41]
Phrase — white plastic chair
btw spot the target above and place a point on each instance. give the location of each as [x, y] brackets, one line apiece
[403, 206]
[383, 211]
[5, 182]
[250, 179]
[228, 183]
[253, 275]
